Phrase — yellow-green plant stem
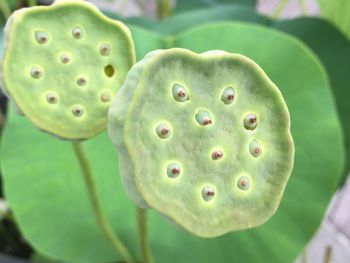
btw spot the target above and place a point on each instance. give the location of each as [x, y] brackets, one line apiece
[164, 9]
[142, 230]
[303, 8]
[280, 7]
[5, 9]
[100, 218]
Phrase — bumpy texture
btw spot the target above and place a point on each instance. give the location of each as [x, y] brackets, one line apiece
[63, 65]
[204, 139]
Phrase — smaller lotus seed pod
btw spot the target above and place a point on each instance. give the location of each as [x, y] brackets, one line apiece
[41, 37]
[208, 193]
[52, 98]
[81, 81]
[78, 110]
[228, 95]
[173, 170]
[105, 49]
[217, 155]
[180, 93]
[63, 66]
[255, 148]
[36, 72]
[243, 183]
[163, 131]
[77, 33]
[250, 121]
[65, 58]
[105, 96]
[203, 118]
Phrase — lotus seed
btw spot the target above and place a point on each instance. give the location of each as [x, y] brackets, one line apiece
[228, 95]
[179, 93]
[255, 148]
[105, 96]
[41, 37]
[173, 170]
[203, 118]
[208, 193]
[77, 33]
[163, 131]
[65, 58]
[78, 110]
[217, 155]
[105, 49]
[243, 183]
[250, 121]
[81, 81]
[51, 98]
[35, 72]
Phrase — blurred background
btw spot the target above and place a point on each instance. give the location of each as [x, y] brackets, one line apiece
[331, 243]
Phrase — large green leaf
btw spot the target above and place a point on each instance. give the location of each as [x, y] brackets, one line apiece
[338, 12]
[45, 189]
[333, 49]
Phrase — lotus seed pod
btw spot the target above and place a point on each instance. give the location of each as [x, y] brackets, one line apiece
[209, 179]
[63, 76]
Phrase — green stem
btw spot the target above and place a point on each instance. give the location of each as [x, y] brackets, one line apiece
[163, 9]
[101, 220]
[280, 7]
[303, 7]
[5, 8]
[32, 2]
[142, 229]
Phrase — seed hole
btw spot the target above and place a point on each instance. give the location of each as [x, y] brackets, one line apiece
[208, 193]
[250, 121]
[163, 131]
[228, 95]
[243, 183]
[51, 98]
[81, 81]
[255, 148]
[105, 96]
[78, 110]
[36, 72]
[77, 33]
[65, 58]
[203, 118]
[180, 94]
[217, 155]
[109, 71]
[41, 37]
[105, 49]
[173, 170]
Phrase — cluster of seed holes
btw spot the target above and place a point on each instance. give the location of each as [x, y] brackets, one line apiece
[203, 117]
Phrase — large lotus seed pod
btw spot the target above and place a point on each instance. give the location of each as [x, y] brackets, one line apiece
[63, 64]
[203, 139]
